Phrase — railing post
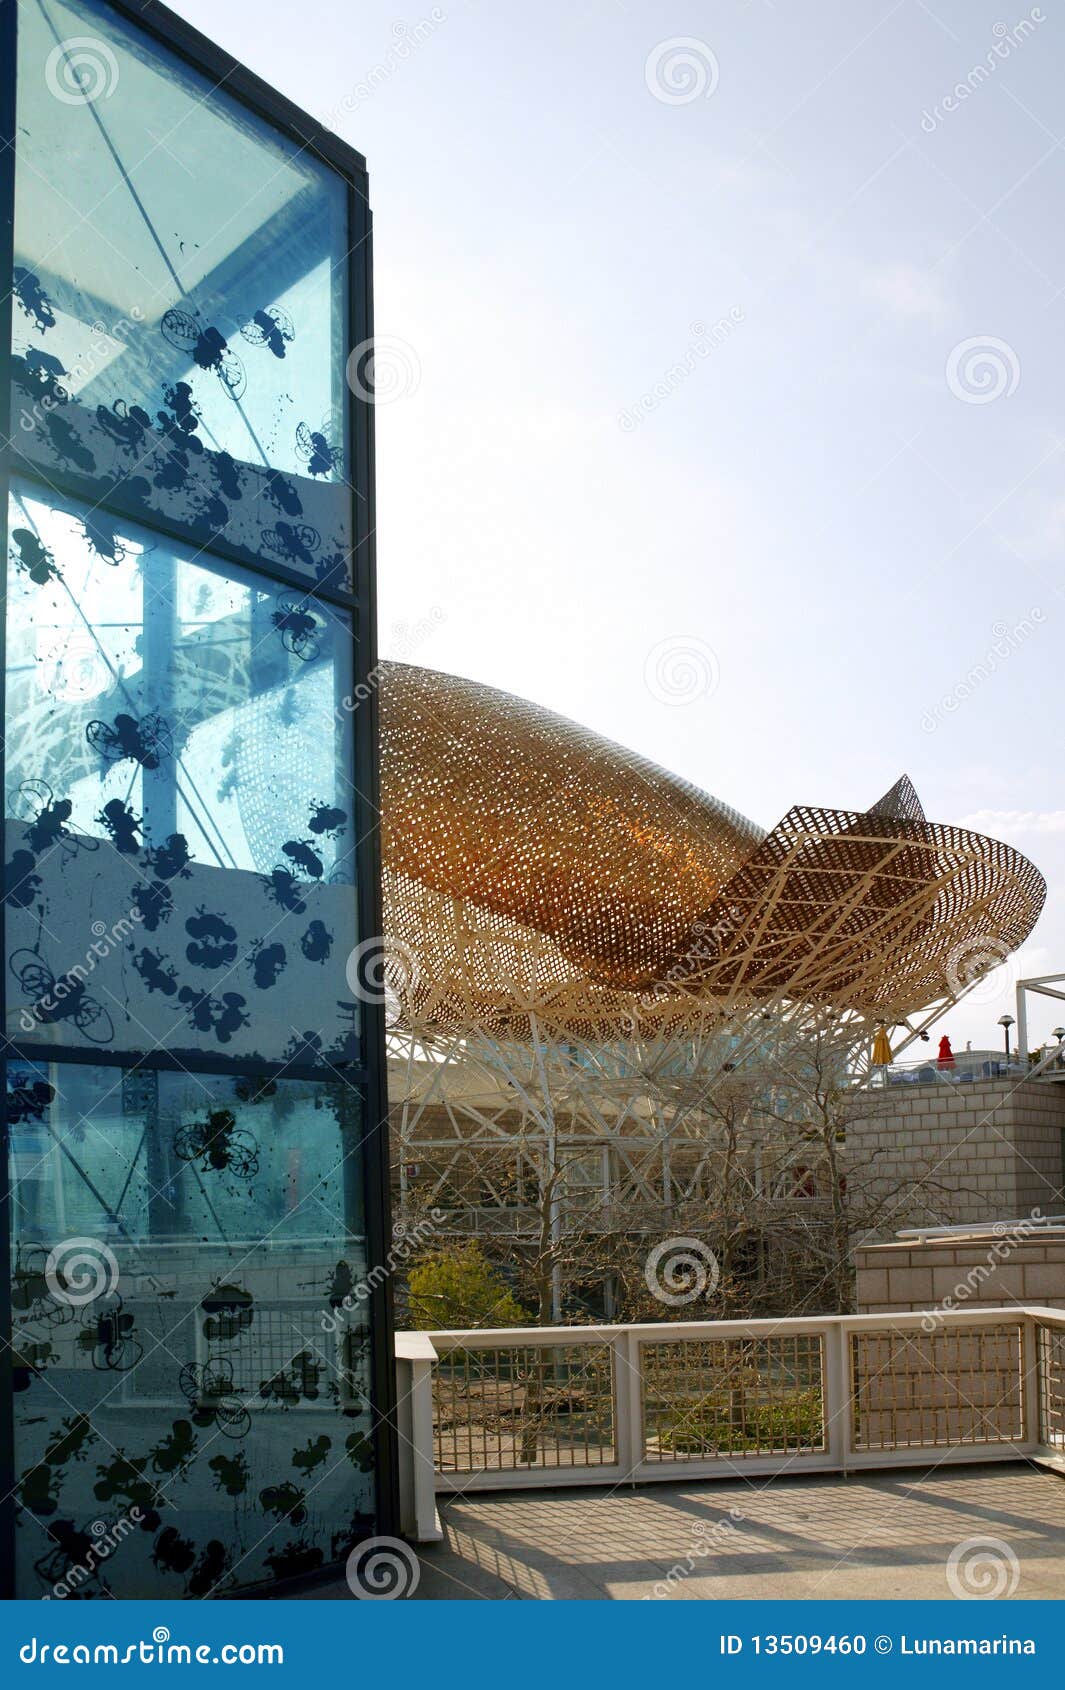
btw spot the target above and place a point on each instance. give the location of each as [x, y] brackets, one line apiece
[628, 1403]
[415, 1355]
[1031, 1385]
[837, 1407]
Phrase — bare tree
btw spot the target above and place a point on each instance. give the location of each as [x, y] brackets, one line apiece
[762, 1178]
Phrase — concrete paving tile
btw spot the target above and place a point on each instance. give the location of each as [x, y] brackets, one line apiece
[868, 1535]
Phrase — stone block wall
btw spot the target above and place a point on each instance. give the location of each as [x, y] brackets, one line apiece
[991, 1150]
[983, 1267]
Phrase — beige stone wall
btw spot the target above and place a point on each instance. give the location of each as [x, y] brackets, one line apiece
[982, 1152]
[961, 1273]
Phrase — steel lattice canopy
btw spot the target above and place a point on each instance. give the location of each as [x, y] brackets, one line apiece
[533, 868]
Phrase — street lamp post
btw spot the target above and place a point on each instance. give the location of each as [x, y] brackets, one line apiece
[1006, 1022]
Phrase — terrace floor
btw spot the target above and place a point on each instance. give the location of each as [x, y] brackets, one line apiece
[872, 1535]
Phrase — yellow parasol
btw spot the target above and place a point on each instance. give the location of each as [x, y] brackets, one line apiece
[881, 1048]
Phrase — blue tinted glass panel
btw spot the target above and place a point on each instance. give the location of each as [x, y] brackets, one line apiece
[181, 312]
[180, 845]
[190, 1348]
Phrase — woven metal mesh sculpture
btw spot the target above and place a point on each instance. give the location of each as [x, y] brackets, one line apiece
[533, 868]
[584, 949]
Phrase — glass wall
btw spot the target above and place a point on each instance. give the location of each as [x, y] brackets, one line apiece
[188, 1385]
[179, 336]
[179, 789]
[189, 831]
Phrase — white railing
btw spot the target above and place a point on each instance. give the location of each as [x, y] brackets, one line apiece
[966, 1069]
[588, 1405]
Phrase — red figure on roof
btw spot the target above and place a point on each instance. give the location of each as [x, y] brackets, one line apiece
[945, 1058]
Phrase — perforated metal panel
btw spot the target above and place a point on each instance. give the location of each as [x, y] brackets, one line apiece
[532, 867]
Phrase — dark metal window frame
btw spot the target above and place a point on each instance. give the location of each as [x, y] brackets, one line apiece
[172, 33]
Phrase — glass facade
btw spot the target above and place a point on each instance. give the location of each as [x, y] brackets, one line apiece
[180, 328]
[195, 1174]
[182, 1243]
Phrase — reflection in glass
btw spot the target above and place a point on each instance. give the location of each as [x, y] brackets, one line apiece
[190, 1354]
[143, 265]
[179, 329]
[179, 798]
[185, 1359]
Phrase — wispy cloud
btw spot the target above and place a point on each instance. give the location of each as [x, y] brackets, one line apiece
[908, 292]
[1016, 821]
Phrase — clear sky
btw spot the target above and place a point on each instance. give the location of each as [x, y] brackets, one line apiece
[752, 345]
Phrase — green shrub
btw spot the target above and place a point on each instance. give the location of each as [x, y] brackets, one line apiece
[712, 1425]
[457, 1287]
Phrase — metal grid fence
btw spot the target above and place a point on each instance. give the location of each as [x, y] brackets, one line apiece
[745, 1396]
[940, 1389]
[520, 1407]
[524, 1406]
[1050, 1356]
